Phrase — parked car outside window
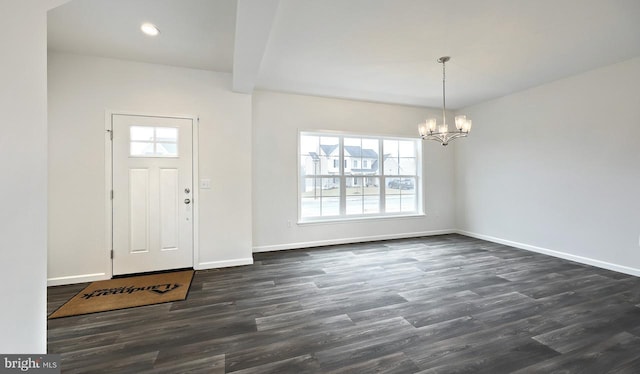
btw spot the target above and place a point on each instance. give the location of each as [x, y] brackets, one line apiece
[402, 184]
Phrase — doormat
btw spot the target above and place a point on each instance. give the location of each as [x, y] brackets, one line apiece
[129, 292]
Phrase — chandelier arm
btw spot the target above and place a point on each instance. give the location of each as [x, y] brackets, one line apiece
[435, 138]
[445, 136]
[458, 135]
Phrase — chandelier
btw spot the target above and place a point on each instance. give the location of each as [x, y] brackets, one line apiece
[430, 130]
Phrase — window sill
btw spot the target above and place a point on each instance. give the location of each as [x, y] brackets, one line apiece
[358, 219]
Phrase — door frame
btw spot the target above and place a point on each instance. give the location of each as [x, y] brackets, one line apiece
[108, 177]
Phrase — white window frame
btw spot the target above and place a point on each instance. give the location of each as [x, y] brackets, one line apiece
[342, 177]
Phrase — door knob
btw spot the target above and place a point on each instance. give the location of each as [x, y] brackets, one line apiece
[187, 201]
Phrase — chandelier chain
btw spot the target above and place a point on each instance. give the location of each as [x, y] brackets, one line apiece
[444, 104]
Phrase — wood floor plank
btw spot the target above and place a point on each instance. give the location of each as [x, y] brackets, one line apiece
[286, 348]
[208, 364]
[444, 352]
[395, 363]
[385, 351]
[497, 358]
[300, 364]
[439, 304]
[602, 357]
[586, 333]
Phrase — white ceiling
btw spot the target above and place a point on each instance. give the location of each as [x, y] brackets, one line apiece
[193, 33]
[378, 50]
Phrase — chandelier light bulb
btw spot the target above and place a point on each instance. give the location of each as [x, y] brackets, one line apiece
[460, 122]
[422, 129]
[431, 124]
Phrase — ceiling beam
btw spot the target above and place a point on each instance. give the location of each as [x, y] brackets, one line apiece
[254, 20]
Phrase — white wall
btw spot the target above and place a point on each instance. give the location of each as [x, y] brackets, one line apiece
[23, 162]
[277, 118]
[81, 88]
[557, 168]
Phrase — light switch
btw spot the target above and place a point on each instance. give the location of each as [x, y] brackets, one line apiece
[205, 184]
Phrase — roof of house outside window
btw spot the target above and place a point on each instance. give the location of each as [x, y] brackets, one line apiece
[355, 151]
[328, 149]
[350, 150]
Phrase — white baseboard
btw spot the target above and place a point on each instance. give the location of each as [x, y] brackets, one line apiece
[84, 278]
[373, 238]
[551, 252]
[224, 264]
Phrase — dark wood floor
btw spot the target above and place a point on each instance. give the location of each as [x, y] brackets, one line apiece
[443, 304]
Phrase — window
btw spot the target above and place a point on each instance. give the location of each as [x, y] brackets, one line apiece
[400, 165]
[387, 184]
[146, 141]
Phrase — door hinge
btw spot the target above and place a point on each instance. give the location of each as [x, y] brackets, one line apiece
[112, 254]
[110, 134]
[111, 194]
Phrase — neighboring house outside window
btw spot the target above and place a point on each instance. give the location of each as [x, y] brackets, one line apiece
[361, 187]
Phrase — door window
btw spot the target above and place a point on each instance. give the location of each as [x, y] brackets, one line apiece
[147, 141]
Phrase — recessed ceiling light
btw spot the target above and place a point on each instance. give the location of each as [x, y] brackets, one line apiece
[149, 29]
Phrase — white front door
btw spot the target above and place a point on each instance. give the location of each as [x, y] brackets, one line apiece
[152, 193]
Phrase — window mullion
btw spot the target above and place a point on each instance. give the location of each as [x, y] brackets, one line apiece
[382, 180]
[155, 144]
[343, 181]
